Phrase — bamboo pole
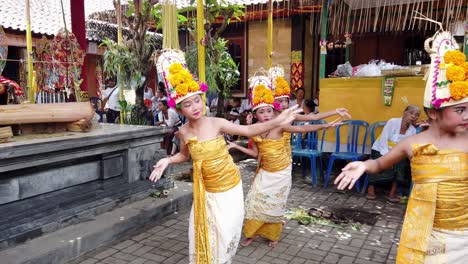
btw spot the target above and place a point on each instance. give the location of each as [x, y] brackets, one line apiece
[118, 12]
[200, 46]
[270, 33]
[323, 36]
[31, 92]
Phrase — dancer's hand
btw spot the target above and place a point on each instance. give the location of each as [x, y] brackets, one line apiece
[350, 174]
[159, 169]
[288, 116]
[343, 112]
[249, 119]
[334, 123]
[231, 145]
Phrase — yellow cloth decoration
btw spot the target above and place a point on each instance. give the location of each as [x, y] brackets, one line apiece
[272, 154]
[213, 171]
[438, 199]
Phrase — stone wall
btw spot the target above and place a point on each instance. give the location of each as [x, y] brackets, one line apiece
[53, 181]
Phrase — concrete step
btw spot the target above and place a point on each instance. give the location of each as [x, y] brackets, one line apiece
[36, 216]
[73, 241]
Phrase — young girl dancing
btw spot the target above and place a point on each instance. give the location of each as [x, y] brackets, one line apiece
[435, 228]
[218, 207]
[282, 94]
[266, 199]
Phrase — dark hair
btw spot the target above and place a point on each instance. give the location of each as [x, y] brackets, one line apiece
[310, 104]
[426, 111]
[236, 99]
[111, 79]
[162, 88]
[164, 102]
[297, 90]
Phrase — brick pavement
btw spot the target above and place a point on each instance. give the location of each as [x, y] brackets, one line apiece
[167, 242]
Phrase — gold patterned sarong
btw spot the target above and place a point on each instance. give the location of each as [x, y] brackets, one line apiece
[213, 172]
[266, 200]
[438, 201]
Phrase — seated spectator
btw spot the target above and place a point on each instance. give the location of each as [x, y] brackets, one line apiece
[233, 117]
[300, 93]
[393, 132]
[168, 117]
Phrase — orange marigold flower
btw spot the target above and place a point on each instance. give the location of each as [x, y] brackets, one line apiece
[182, 89]
[186, 76]
[455, 73]
[174, 79]
[455, 56]
[193, 86]
[175, 68]
[459, 90]
[465, 66]
[269, 99]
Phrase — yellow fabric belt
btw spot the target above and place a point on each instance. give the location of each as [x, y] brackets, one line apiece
[213, 171]
[438, 199]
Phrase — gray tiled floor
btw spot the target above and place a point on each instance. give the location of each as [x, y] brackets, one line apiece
[166, 241]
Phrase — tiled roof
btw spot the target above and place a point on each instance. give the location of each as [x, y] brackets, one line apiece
[47, 18]
[46, 15]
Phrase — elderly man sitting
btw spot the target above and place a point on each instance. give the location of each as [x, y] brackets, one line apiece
[393, 132]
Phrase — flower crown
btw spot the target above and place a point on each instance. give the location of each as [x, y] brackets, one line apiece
[281, 88]
[262, 96]
[447, 83]
[182, 84]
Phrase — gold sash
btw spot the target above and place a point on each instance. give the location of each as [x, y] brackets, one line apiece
[287, 143]
[213, 171]
[438, 199]
[272, 154]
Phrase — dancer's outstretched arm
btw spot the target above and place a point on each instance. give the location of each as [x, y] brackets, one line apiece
[162, 164]
[351, 172]
[284, 119]
[343, 112]
[310, 128]
[253, 152]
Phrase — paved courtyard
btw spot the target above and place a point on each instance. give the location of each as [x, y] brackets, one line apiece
[167, 241]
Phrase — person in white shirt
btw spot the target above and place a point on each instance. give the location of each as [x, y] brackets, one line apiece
[168, 117]
[111, 97]
[148, 94]
[393, 132]
[300, 93]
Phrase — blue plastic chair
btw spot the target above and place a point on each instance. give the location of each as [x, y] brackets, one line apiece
[309, 148]
[372, 139]
[97, 104]
[351, 153]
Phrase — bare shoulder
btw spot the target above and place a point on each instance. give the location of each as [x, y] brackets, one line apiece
[183, 131]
